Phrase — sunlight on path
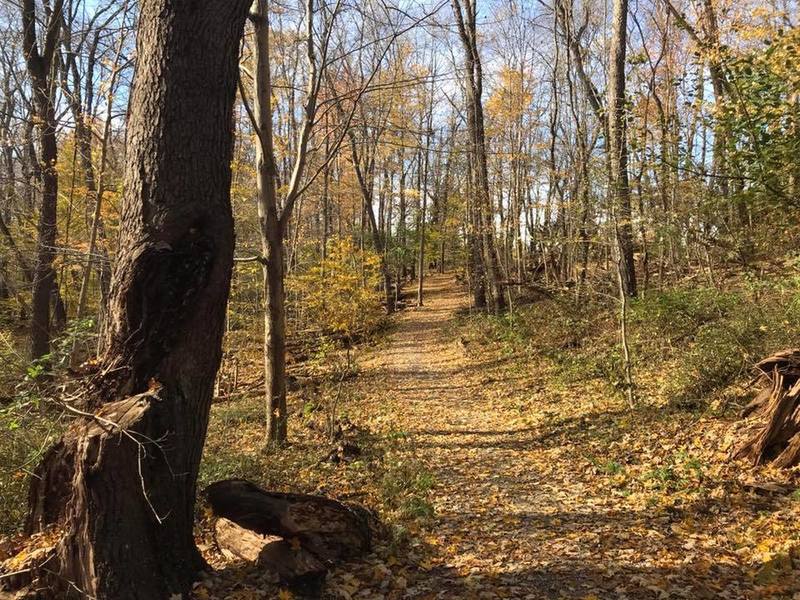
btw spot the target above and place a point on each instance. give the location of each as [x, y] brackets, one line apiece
[493, 511]
[517, 514]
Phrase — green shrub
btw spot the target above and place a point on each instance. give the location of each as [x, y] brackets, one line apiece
[405, 487]
[26, 431]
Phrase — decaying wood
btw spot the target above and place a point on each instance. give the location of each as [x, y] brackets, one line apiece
[287, 560]
[771, 432]
[236, 542]
[330, 530]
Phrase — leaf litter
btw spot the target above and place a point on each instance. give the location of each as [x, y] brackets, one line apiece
[499, 480]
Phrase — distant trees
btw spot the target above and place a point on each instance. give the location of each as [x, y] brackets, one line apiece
[308, 151]
[78, 84]
[676, 80]
[487, 272]
[121, 482]
[40, 61]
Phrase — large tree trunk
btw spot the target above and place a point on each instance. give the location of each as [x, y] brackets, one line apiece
[121, 483]
[619, 185]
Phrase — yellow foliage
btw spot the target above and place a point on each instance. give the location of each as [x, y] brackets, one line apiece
[340, 293]
[512, 98]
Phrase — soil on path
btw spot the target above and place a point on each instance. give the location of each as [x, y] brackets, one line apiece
[516, 513]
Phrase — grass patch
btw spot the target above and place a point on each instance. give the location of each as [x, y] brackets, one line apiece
[405, 489]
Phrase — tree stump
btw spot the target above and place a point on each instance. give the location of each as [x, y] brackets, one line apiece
[771, 432]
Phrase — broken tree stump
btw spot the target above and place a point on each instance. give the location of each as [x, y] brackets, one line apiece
[297, 536]
[771, 432]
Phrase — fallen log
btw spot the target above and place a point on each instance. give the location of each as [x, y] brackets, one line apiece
[294, 566]
[239, 543]
[771, 431]
[329, 530]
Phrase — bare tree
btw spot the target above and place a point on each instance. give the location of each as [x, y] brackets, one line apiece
[611, 115]
[466, 18]
[39, 59]
[274, 213]
[619, 185]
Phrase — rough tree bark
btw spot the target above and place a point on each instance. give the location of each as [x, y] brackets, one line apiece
[120, 484]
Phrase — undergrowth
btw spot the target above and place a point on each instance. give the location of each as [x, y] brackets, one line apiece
[31, 419]
[691, 345]
[398, 489]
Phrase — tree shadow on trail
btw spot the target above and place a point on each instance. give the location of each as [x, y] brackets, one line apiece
[573, 430]
[575, 579]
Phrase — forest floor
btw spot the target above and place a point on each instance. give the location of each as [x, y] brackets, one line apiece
[528, 499]
[502, 480]
[504, 462]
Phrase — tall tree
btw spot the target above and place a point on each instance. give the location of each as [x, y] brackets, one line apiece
[619, 186]
[466, 18]
[274, 213]
[122, 480]
[40, 64]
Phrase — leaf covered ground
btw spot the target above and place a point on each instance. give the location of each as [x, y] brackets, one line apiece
[499, 478]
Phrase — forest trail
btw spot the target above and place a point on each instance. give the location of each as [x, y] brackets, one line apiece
[499, 522]
[517, 512]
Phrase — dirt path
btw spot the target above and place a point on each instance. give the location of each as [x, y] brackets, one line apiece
[514, 516]
[493, 511]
